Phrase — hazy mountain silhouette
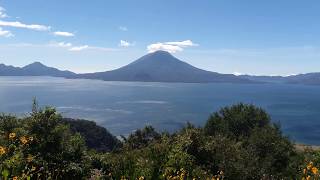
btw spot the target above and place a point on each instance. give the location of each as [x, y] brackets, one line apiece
[307, 79]
[34, 69]
[266, 79]
[161, 66]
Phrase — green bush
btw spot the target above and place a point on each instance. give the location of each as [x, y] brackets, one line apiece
[41, 146]
[96, 137]
[237, 121]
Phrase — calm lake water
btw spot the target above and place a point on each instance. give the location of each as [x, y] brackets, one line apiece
[122, 107]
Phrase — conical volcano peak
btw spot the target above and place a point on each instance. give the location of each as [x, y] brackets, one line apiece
[161, 66]
[160, 55]
[160, 52]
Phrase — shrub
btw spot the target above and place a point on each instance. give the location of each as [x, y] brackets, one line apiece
[96, 137]
[41, 146]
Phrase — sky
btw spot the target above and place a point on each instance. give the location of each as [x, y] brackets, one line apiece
[267, 37]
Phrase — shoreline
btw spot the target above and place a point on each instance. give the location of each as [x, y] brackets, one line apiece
[304, 147]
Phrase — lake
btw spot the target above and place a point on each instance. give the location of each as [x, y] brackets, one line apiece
[122, 107]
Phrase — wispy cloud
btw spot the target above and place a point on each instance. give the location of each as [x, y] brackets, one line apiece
[185, 43]
[172, 47]
[18, 24]
[3, 12]
[63, 44]
[102, 48]
[79, 48]
[237, 73]
[123, 28]
[87, 47]
[4, 33]
[65, 34]
[124, 43]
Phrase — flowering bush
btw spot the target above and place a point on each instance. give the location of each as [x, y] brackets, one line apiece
[40, 147]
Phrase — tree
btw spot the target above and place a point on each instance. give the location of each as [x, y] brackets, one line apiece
[96, 137]
[142, 137]
[236, 121]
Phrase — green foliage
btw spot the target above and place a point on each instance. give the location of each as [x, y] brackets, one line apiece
[238, 142]
[141, 138]
[237, 121]
[41, 146]
[96, 137]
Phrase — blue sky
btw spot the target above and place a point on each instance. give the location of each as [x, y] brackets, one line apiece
[268, 37]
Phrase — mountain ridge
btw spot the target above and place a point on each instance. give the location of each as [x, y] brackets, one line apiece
[34, 69]
[159, 66]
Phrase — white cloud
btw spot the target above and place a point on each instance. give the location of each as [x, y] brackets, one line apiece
[123, 28]
[63, 44]
[3, 13]
[4, 33]
[65, 34]
[71, 47]
[17, 24]
[102, 48]
[165, 47]
[237, 73]
[59, 44]
[86, 47]
[171, 47]
[124, 43]
[79, 48]
[185, 43]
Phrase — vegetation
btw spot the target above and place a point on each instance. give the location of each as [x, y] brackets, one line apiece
[96, 137]
[238, 142]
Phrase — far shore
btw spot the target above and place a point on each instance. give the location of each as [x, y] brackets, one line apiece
[303, 147]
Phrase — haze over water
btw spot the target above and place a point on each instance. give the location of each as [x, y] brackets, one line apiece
[122, 107]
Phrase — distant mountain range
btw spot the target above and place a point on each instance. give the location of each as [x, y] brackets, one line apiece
[159, 66]
[307, 79]
[34, 69]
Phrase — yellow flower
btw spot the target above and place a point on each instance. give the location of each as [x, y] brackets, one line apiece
[2, 150]
[15, 178]
[33, 168]
[29, 158]
[24, 140]
[315, 170]
[304, 171]
[141, 178]
[12, 135]
[30, 138]
[308, 178]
